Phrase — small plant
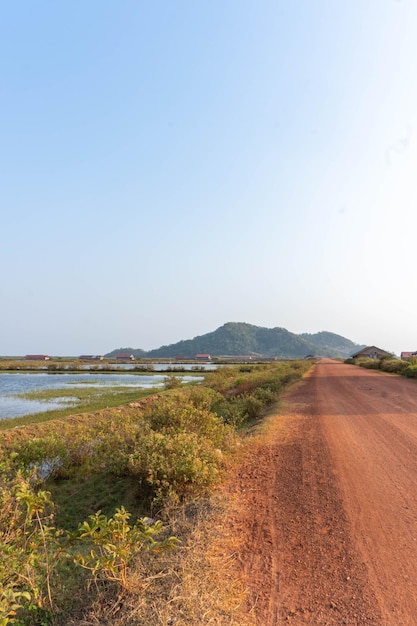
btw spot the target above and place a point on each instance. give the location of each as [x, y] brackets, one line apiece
[30, 549]
[172, 382]
[109, 545]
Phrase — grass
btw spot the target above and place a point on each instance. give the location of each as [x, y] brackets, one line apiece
[87, 392]
[89, 399]
[83, 495]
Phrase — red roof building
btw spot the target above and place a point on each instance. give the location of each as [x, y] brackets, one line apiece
[408, 355]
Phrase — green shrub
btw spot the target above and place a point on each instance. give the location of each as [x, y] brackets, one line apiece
[394, 366]
[48, 454]
[266, 395]
[411, 371]
[231, 411]
[176, 413]
[253, 406]
[170, 466]
[202, 397]
[37, 449]
[372, 364]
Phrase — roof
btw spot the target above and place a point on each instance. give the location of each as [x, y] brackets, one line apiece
[368, 349]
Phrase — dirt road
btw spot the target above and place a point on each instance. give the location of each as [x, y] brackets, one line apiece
[329, 536]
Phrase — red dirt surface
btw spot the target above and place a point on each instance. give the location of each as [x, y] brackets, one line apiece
[329, 523]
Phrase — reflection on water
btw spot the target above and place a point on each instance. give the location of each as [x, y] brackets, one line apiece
[16, 407]
[12, 384]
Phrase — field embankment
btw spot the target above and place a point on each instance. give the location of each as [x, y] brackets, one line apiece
[63, 562]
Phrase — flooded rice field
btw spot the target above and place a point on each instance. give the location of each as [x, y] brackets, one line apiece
[14, 384]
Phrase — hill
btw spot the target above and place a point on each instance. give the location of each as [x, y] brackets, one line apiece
[137, 353]
[239, 338]
[331, 343]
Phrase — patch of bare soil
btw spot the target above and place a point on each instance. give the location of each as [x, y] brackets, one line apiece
[327, 526]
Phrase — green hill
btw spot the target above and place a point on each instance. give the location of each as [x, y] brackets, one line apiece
[137, 352]
[331, 343]
[241, 339]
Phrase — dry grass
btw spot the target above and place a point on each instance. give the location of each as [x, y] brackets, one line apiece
[199, 584]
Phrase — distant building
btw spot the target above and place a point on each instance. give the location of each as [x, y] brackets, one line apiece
[203, 357]
[408, 355]
[125, 357]
[239, 357]
[37, 357]
[371, 352]
[91, 357]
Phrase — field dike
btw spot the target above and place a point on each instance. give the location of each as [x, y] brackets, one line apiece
[122, 516]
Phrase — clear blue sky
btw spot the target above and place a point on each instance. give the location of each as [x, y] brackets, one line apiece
[169, 166]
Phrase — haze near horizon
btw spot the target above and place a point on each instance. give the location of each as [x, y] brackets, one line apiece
[170, 167]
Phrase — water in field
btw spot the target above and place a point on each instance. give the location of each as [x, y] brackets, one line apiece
[163, 367]
[136, 366]
[12, 384]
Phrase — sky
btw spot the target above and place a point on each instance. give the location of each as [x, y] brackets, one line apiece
[170, 166]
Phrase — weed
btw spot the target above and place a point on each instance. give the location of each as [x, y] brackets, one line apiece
[109, 545]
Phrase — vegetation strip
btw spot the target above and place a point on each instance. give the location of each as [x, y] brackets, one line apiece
[389, 364]
[162, 455]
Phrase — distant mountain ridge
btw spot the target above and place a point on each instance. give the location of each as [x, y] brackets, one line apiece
[242, 339]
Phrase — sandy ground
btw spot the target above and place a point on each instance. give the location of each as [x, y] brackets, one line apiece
[329, 505]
